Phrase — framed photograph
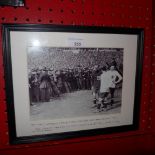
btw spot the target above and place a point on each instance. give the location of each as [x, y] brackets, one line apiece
[71, 81]
[12, 2]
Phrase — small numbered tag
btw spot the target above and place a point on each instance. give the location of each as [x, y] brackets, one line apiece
[75, 42]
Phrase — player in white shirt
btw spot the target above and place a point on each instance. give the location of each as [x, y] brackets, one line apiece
[104, 88]
[115, 78]
[109, 79]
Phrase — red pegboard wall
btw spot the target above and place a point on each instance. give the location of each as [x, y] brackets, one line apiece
[113, 13]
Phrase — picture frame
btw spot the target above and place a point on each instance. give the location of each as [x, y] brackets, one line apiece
[71, 81]
[12, 2]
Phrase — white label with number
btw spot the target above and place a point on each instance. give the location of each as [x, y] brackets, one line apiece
[75, 42]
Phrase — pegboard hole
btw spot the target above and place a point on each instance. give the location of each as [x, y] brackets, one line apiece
[147, 18]
[112, 14]
[83, 1]
[150, 110]
[27, 8]
[139, 18]
[113, 4]
[151, 92]
[15, 19]
[50, 21]
[122, 16]
[72, 11]
[61, 10]
[131, 6]
[122, 5]
[147, 9]
[144, 104]
[39, 9]
[26, 146]
[150, 118]
[39, 20]
[3, 18]
[62, 22]
[139, 7]
[50, 10]
[27, 19]
[145, 85]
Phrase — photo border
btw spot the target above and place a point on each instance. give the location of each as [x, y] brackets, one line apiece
[7, 28]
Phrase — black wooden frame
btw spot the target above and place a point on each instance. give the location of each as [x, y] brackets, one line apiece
[7, 28]
[12, 2]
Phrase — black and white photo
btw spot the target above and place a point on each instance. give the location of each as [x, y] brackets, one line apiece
[79, 81]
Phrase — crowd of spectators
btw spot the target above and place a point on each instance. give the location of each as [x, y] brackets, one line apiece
[61, 58]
